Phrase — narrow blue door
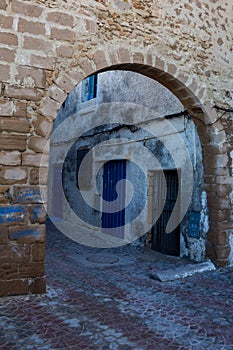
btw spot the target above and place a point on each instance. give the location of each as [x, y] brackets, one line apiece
[113, 222]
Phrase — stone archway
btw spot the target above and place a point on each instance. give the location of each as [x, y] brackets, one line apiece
[191, 93]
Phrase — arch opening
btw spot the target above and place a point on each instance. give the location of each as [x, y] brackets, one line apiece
[135, 111]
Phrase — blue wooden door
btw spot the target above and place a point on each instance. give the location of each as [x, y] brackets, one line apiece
[113, 222]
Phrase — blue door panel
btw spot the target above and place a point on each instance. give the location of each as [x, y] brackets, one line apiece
[114, 171]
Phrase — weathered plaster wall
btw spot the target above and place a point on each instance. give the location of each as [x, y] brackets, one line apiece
[47, 47]
[132, 91]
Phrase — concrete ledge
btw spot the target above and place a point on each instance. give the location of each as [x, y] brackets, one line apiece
[182, 271]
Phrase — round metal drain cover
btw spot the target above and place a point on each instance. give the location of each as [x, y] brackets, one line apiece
[102, 259]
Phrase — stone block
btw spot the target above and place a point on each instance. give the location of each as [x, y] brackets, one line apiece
[13, 142]
[20, 253]
[43, 126]
[25, 26]
[112, 56]
[6, 108]
[138, 58]
[12, 174]
[222, 252]
[100, 59]
[5, 196]
[222, 226]
[60, 18]
[13, 287]
[217, 171]
[35, 77]
[8, 271]
[28, 194]
[171, 69]
[65, 51]
[91, 26]
[3, 5]
[57, 94]
[5, 73]
[35, 159]
[123, 55]
[64, 83]
[27, 9]
[218, 238]
[7, 55]
[216, 161]
[219, 215]
[6, 22]
[39, 176]
[221, 190]
[63, 35]
[219, 203]
[27, 234]
[39, 144]
[37, 214]
[31, 43]
[5, 253]
[20, 109]
[31, 269]
[23, 93]
[38, 252]
[75, 75]
[223, 179]
[12, 214]
[50, 108]
[88, 67]
[8, 39]
[219, 138]
[42, 62]
[4, 235]
[38, 285]
[18, 125]
[222, 262]
[10, 158]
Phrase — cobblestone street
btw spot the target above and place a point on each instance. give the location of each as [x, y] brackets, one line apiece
[107, 299]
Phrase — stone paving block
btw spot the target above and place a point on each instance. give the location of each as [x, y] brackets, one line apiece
[114, 305]
[12, 214]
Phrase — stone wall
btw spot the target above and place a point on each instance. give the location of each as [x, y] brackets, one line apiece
[47, 47]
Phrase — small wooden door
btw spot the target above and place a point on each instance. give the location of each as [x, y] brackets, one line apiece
[114, 171]
[167, 243]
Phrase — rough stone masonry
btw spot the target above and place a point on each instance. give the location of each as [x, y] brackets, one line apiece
[48, 47]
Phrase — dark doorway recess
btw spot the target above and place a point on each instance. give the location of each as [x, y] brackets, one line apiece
[167, 243]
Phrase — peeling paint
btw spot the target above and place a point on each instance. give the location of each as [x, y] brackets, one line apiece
[204, 221]
[10, 214]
